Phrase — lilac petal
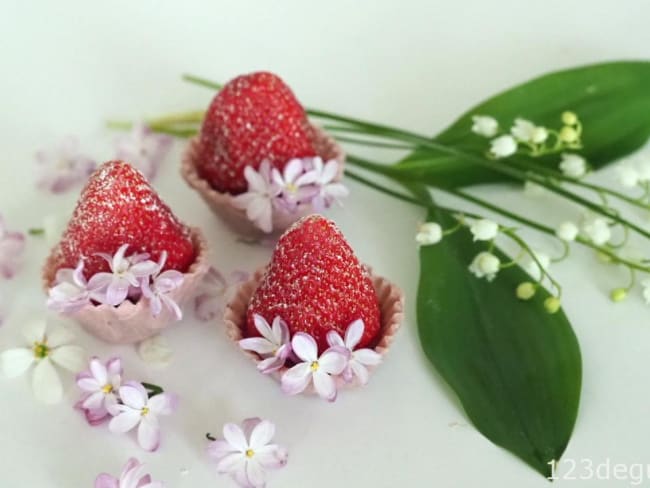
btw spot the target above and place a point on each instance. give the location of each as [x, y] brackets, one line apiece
[249, 424]
[308, 178]
[244, 200]
[95, 417]
[367, 357]
[330, 170]
[114, 367]
[255, 473]
[71, 358]
[131, 464]
[284, 351]
[117, 291]
[14, 362]
[78, 275]
[125, 421]
[334, 360]
[257, 344]
[304, 346]
[132, 396]
[272, 456]
[144, 269]
[269, 365]
[155, 304]
[359, 371]
[132, 475]
[235, 437]
[256, 182]
[280, 331]
[172, 306]
[149, 433]
[98, 371]
[263, 328]
[88, 384]
[277, 178]
[354, 333]
[230, 463]
[324, 386]
[118, 258]
[261, 435]
[296, 379]
[219, 448]
[106, 481]
[169, 280]
[94, 401]
[46, 382]
[99, 281]
[163, 403]
[334, 339]
[111, 404]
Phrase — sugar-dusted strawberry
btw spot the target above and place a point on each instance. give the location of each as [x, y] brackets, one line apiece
[253, 118]
[316, 284]
[118, 206]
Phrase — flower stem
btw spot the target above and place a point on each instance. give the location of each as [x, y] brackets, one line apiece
[210, 437]
[152, 390]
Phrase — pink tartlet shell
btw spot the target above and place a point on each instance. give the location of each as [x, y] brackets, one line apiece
[222, 203]
[132, 322]
[391, 305]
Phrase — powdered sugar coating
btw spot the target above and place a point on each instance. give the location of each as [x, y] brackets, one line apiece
[255, 117]
[118, 206]
[316, 284]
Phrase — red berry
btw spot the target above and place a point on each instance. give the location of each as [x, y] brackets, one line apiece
[253, 118]
[316, 284]
[118, 206]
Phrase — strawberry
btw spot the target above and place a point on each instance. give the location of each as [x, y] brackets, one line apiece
[118, 206]
[316, 284]
[253, 118]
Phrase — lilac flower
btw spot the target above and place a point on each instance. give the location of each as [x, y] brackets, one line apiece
[132, 476]
[12, 246]
[313, 368]
[295, 185]
[71, 291]
[258, 201]
[144, 149]
[62, 167]
[246, 452]
[210, 300]
[100, 385]
[125, 273]
[274, 345]
[360, 358]
[158, 291]
[137, 409]
[323, 176]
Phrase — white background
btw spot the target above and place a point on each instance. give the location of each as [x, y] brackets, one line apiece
[67, 66]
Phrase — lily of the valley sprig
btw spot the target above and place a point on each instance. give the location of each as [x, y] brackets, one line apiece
[127, 404]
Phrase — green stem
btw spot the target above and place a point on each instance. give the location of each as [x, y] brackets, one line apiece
[152, 389]
[202, 82]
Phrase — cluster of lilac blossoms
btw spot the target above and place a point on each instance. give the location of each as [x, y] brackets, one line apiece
[127, 404]
[340, 360]
[306, 181]
[130, 278]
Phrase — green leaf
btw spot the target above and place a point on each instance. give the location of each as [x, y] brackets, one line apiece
[516, 368]
[611, 99]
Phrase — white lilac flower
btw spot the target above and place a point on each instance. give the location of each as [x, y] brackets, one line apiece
[525, 131]
[429, 233]
[144, 149]
[360, 358]
[100, 384]
[503, 146]
[533, 268]
[46, 348]
[258, 200]
[484, 229]
[137, 409]
[484, 125]
[597, 229]
[315, 369]
[158, 291]
[567, 231]
[213, 293]
[323, 177]
[12, 247]
[295, 185]
[485, 265]
[246, 453]
[71, 291]
[133, 476]
[274, 345]
[645, 284]
[62, 167]
[573, 165]
[125, 273]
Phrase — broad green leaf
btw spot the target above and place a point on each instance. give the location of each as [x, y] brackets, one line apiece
[611, 99]
[515, 368]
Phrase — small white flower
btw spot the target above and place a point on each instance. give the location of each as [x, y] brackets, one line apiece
[567, 231]
[628, 174]
[485, 265]
[573, 165]
[484, 125]
[46, 349]
[484, 230]
[525, 131]
[274, 345]
[646, 290]
[597, 229]
[532, 268]
[359, 358]
[324, 178]
[429, 233]
[258, 200]
[503, 146]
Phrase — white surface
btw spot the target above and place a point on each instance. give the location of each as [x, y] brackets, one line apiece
[66, 66]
